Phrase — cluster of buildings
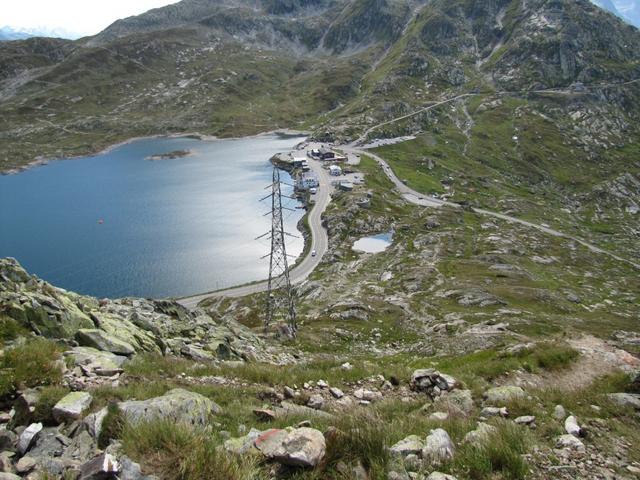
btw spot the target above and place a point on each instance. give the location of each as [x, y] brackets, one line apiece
[308, 181]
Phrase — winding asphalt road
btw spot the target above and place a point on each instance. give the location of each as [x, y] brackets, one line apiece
[418, 198]
[301, 271]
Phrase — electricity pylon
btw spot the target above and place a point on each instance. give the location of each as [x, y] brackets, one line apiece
[280, 296]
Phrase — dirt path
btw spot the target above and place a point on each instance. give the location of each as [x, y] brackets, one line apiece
[597, 358]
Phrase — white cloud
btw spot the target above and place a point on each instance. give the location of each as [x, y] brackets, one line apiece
[86, 17]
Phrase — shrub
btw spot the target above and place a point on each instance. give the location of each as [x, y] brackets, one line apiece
[31, 364]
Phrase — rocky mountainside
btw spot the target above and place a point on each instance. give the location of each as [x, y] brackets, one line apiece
[467, 350]
[474, 347]
[230, 68]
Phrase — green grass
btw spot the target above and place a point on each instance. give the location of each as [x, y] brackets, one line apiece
[113, 426]
[153, 372]
[179, 452]
[500, 457]
[30, 364]
[490, 364]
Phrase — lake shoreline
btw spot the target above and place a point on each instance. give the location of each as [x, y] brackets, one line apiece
[40, 162]
[118, 225]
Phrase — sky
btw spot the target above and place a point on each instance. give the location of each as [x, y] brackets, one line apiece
[83, 17]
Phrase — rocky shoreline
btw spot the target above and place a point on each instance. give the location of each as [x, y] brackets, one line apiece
[39, 162]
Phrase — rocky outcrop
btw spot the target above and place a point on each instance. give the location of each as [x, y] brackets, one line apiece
[110, 331]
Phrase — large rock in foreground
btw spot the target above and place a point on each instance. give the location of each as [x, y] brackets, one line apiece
[72, 406]
[178, 405]
[438, 447]
[302, 447]
[101, 340]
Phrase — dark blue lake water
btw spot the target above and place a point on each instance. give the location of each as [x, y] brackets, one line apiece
[169, 227]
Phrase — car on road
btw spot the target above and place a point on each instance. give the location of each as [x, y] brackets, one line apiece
[313, 253]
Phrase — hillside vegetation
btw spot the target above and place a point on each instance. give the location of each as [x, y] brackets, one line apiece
[474, 347]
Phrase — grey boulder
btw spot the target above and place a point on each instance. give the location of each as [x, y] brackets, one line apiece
[178, 405]
[101, 340]
[625, 399]
[302, 447]
[503, 394]
[72, 406]
[438, 447]
[28, 436]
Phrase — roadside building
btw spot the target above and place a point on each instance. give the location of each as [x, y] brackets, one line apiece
[307, 181]
[335, 170]
[345, 186]
[299, 162]
[326, 154]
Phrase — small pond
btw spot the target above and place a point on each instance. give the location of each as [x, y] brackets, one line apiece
[374, 244]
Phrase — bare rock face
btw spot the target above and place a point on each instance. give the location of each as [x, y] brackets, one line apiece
[110, 331]
[178, 405]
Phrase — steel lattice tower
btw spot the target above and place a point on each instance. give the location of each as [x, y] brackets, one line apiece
[280, 297]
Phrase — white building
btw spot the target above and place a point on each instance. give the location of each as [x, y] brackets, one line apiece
[335, 170]
[307, 181]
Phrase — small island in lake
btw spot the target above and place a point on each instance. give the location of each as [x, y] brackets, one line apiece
[170, 155]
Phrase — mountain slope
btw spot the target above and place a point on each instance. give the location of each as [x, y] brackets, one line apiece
[232, 68]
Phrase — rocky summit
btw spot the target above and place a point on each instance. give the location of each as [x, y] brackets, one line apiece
[487, 149]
